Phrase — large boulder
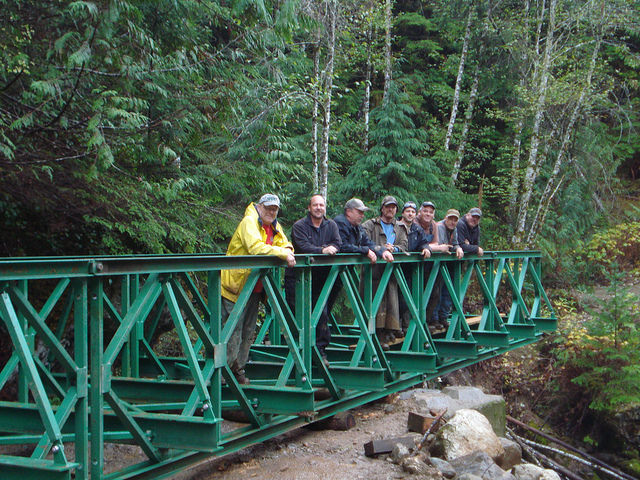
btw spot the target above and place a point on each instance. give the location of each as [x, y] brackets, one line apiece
[467, 432]
[528, 471]
[481, 464]
[512, 454]
[457, 398]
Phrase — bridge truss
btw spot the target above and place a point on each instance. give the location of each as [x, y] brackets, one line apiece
[83, 372]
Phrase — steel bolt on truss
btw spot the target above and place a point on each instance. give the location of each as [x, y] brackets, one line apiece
[101, 381]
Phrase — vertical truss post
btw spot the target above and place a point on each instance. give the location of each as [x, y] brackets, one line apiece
[456, 295]
[492, 323]
[417, 284]
[137, 333]
[220, 351]
[307, 338]
[80, 345]
[23, 385]
[125, 302]
[98, 369]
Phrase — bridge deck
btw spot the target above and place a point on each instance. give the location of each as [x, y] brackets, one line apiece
[101, 380]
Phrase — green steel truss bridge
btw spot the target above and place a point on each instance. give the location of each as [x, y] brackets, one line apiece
[82, 371]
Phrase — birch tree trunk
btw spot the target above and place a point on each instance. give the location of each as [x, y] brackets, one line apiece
[517, 139]
[473, 95]
[314, 116]
[367, 92]
[515, 169]
[387, 50]
[532, 163]
[326, 123]
[543, 204]
[456, 93]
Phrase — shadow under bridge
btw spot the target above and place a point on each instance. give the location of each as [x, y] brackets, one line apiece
[84, 366]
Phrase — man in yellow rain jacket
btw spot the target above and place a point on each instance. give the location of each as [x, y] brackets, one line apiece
[257, 234]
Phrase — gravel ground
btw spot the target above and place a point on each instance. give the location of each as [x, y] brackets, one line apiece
[306, 454]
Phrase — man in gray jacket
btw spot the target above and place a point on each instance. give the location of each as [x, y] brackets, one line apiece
[447, 235]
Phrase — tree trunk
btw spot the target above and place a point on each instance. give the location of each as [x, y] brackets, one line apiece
[515, 169]
[387, 49]
[326, 124]
[532, 164]
[456, 93]
[314, 116]
[367, 92]
[473, 95]
[543, 204]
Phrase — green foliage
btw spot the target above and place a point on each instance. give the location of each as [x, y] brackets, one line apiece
[604, 351]
[393, 165]
[618, 245]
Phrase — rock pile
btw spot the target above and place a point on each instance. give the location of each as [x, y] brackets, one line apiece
[468, 445]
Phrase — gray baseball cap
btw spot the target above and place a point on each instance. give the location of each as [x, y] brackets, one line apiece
[269, 199]
[475, 212]
[357, 204]
[428, 204]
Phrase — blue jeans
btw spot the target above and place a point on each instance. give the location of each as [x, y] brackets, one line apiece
[444, 307]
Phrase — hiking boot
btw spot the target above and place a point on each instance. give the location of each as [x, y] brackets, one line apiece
[433, 328]
[325, 360]
[240, 376]
[383, 337]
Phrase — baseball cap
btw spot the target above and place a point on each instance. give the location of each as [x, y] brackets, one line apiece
[409, 205]
[389, 200]
[475, 212]
[428, 204]
[357, 204]
[452, 212]
[269, 199]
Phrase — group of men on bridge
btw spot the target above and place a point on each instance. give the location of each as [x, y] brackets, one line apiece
[259, 233]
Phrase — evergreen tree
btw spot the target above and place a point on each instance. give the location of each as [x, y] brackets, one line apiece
[396, 164]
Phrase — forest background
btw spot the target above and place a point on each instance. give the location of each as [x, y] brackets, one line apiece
[146, 126]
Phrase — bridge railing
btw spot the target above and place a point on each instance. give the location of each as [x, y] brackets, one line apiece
[83, 368]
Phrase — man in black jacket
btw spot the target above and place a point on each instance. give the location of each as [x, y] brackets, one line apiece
[469, 232]
[318, 235]
[354, 238]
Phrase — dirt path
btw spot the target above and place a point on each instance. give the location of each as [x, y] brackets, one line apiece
[306, 454]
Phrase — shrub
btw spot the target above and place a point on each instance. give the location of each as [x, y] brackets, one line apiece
[619, 245]
[603, 353]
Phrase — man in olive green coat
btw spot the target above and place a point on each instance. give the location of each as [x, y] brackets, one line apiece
[391, 235]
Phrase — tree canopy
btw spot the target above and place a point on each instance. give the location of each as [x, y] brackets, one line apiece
[146, 126]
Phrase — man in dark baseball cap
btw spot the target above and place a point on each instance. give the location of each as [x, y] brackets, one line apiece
[469, 232]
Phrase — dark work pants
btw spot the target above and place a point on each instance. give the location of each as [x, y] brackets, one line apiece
[434, 298]
[323, 332]
[444, 307]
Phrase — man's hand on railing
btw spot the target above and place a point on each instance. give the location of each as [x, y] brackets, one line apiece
[387, 256]
[330, 250]
[291, 260]
[426, 253]
[372, 256]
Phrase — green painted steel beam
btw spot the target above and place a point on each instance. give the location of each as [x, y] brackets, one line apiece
[150, 400]
[21, 468]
